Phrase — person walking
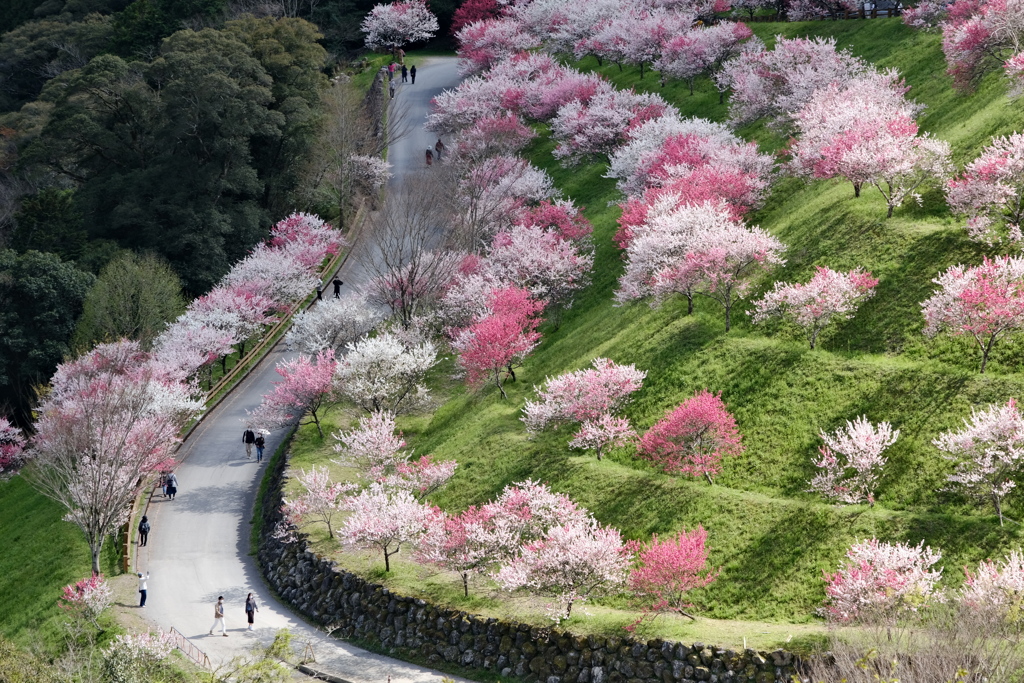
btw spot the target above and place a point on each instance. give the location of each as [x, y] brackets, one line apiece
[319, 293]
[439, 148]
[172, 485]
[391, 89]
[405, 74]
[430, 157]
[143, 531]
[412, 73]
[261, 443]
[391, 71]
[143, 588]
[248, 438]
[218, 617]
[250, 609]
[337, 287]
[163, 483]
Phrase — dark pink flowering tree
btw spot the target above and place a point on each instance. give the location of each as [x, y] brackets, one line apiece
[87, 599]
[693, 438]
[474, 10]
[879, 582]
[978, 37]
[306, 388]
[667, 569]
[987, 452]
[851, 461]
[985, 302]
[539, 260]
[483, 44]
[391, 26]
[828, 297]
[494, 345]
[701, 51]
[12, 445]
[560, 215]
[990, 192]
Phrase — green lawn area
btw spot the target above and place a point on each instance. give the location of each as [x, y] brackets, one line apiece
[771, 537]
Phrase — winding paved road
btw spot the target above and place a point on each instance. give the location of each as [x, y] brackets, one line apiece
[199, 545]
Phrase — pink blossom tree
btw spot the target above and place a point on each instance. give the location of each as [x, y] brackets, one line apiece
[571, 563]
[829, 296]
[560, 215]
[994, 588]
[985, 302]
[109, 422]
[373, 446]
[881, 582]
[306, 388]
[484, 43]
[391, 26]
[991, 192]
[522, 514]
[422, 476]
[385, 519]
[693, 438]
[12, 445]
[595, 128]
[978, 37]
[319, 500]
[499, 341]
[701, 50]
[604, 432]
[474, 10]
[87, 599]
[666, 570]
[498, 135]
[852, 475]
[459, 544]
[1014, 68]
[987, 452]
[582, 395]
[776, 83]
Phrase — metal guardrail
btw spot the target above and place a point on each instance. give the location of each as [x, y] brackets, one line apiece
[191, 651]
[845, 14]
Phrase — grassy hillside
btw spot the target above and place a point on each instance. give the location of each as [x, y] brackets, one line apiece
[772, 538]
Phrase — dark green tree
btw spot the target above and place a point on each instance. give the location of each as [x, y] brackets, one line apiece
[134, 297]
[41, 298]
[48, 221]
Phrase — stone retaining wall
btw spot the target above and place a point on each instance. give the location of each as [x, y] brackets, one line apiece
[408, 626]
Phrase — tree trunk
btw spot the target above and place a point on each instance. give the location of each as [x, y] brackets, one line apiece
[95, 549]
[686, 614]
[387, 561]
[497, 381]
[999, 509]
[691, 85]
[689, 304]
[710, 480]
[728, 313]
[641, 71]
[889, 214]
[856, 189]
[985, 350]
[465, 583]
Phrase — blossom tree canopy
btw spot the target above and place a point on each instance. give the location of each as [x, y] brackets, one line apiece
[391, 26]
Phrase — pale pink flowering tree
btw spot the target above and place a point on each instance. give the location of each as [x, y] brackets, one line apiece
[492, 191]
[189, 344]
[499, 135]
[571, 563]
[927, 14]
[484, 43]
[693, 438]
[87, 598]
[634, 36]
[539, 260]
[995, 588]
[606, 431]
[98, 439]
[667, 569]
[319, 501]
[499, 341]
[235, 312]
[524, 512]
[12, 445]
[587, 130]
[309, 237]
[702, 50]
[985, 302]
[391, 26]
[776, 83]
[582, 395]
[881, 581]
[385, 519]
[422, 476]
[383, 373]
[306, 388]
[851, 461]
[331, 324]
[373, 446]
[829, 296]
[719, 264]
[278, 274]
[991, 192]
[866, 133]
[1014, 67]
[987, 452]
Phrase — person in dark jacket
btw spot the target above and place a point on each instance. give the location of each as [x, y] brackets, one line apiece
[412, 73]
[261, 443]
[405, 74]
[172, 485]
[248, 438]
[337, 287]
[143, 531]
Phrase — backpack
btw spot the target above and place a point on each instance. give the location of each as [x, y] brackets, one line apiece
[144, 527]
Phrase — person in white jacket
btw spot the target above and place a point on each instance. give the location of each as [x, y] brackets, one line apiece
[143, 587]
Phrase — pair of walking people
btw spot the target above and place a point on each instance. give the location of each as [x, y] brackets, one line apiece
[250, 439]
[218, 614]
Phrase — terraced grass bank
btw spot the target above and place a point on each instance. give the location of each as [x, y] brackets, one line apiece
[771, 537]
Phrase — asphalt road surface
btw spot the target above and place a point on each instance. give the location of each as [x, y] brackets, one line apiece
[199, 544]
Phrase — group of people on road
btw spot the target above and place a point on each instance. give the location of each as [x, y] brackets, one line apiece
[250, 439]
[218, 614]
[438, 150]
[394, 68]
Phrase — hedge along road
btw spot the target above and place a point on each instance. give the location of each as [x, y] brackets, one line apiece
[199, 544]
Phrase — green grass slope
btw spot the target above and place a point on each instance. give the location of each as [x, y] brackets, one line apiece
[772, 538]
